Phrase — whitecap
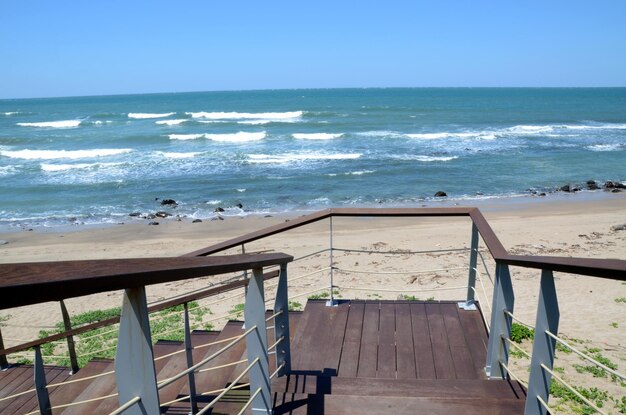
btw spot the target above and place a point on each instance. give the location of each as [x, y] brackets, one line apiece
[10, 113]
[316, 136]
[239, 137]
[424, 158]
[64, 167]
[213, 202]
[429, 136]
[296, 157]
[279, 116]
[51, 124]
[7, 170]
[62, 154]
[605, 147]
[174, 155]
[382, 133]
[170, 122]
[241, 190]
[185, 136]
[140, 115]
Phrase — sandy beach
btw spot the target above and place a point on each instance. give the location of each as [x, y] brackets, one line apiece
[569, 225]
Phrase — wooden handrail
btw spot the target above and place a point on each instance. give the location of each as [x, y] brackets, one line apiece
[38, 282]
[152, 309]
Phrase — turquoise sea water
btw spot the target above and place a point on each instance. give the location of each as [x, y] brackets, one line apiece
[96, 159]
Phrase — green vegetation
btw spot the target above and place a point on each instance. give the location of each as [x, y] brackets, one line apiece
[237, 310]
[166, 324]
[409, 297]
[595, 395]
[322, 295]
[596, 371]
[294, 306]
[620, 300]
[614, 324]
[520, 333]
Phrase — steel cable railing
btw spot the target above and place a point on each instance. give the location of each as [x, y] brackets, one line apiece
[572, 389]
[127, 405]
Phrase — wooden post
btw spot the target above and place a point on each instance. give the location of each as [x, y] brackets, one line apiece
[3, 358]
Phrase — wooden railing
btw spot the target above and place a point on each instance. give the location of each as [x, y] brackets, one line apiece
[21, 284]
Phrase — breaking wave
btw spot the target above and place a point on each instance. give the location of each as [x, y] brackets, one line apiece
[141, 116]
[62, 154]
[316, 136]
[277, 116]
[52, 124]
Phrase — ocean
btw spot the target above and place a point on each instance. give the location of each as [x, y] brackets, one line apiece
[95, 160]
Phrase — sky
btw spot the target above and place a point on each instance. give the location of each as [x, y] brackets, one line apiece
[77, 48]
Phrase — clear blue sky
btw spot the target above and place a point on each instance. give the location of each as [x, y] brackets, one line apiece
[68, 48]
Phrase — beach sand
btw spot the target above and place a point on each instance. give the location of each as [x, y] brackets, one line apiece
[571, 225]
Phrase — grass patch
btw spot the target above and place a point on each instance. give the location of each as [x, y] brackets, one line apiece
[620, 300]
[520, 332]
[166, 324]
[294, 306]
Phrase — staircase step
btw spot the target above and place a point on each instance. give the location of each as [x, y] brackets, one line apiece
[28, 402]
[440, 388]
[211, 380]
[301, 404]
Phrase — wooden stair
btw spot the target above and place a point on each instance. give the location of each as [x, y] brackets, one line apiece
[361, 356]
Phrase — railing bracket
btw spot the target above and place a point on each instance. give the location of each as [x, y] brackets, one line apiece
[467, 305]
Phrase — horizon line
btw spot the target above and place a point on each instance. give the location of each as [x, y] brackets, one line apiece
[306, 89]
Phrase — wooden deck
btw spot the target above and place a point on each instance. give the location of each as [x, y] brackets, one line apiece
[377, 357]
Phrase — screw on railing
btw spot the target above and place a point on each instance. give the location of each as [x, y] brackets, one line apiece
[503, 300]
[469, 303]
[40, 384]
[281, 324]
[543, 346]
[189, 354]
[3, 358]
[134, 361]
[67, 324]
[256, 343]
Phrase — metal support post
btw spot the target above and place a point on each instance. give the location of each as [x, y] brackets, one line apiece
[503, 300]
[332, 301]
[281, 323]
[3, 358]
[543, 346]
[134, 365]
[71, 349]
[256, 343]
[469, 303]
[189, 353]
[40, 384]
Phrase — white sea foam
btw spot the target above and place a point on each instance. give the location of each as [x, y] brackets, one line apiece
[241, 190]
[605, 147]
[62, 154]
[7, 170]
[174, 155]
[240, 137]
[352, 173]
[170, 122]
[64, 167]
[382, 133]
[316, 136]
[185, 136]
[141, 115]
[295, 157]
[8, 114]
[51, 124]
[424, 158]
[278, 116]
[213, 202]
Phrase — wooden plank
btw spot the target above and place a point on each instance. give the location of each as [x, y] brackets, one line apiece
[28, 403]
[405, 350]
[424, 360]
[93, 389]
[68, 393]
[10, 375]
[348, 405]
[431, 388]
[337, 331]
[314, 336]
[37, 282]
[444, 368]
[476, 339]
[349, 362]
[387, 342]
[369, 341]
[461, 356]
